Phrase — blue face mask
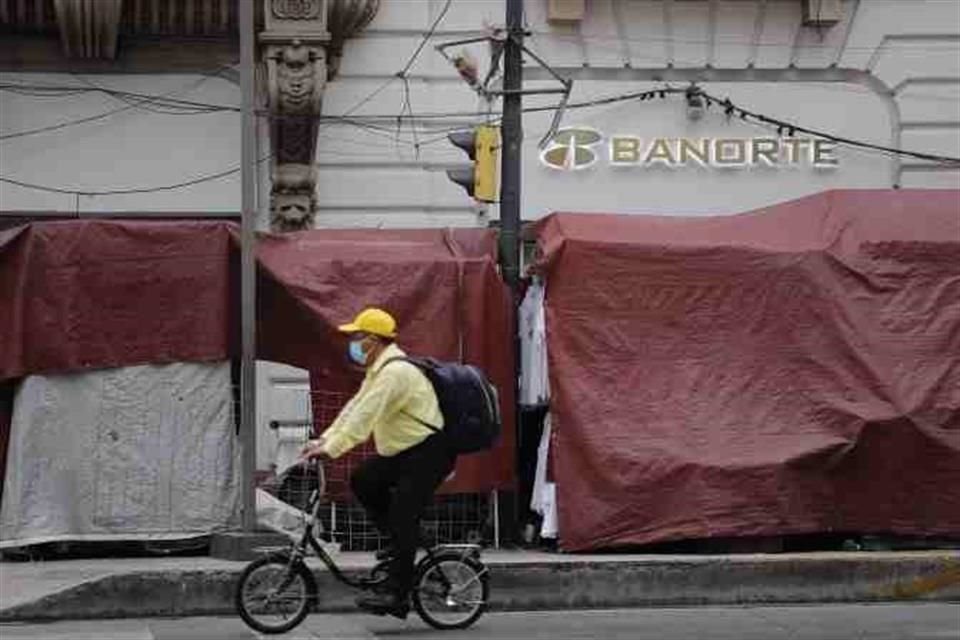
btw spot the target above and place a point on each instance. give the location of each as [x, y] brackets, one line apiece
[356, 352]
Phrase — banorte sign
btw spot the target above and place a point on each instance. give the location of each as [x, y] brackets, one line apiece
[578, 148]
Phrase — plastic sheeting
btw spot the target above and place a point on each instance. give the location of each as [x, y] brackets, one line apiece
[145, 452]
[790, 370]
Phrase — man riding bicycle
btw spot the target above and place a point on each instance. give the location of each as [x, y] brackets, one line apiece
[393, 404]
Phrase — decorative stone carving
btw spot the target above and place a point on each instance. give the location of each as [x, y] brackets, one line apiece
[295, 49]
[299, 79]
[345, 19]
[296, 9]
[292, 211]
[293, 202]
[297, 75]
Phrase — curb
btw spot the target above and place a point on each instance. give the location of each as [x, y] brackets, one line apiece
[561, 584]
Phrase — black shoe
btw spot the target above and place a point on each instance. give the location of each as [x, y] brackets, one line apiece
[385, 603]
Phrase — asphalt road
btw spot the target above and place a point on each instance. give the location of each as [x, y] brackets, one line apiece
[833, 622]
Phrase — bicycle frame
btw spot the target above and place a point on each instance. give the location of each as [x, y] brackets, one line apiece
[309, 540]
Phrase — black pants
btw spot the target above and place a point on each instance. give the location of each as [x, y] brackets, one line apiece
[395, 490]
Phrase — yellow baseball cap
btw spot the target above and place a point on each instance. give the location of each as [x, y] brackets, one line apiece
[374, 321]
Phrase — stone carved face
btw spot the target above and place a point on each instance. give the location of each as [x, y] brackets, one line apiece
[296, 77]
[292, 211]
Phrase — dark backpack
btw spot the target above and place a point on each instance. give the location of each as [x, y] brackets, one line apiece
[468, 401]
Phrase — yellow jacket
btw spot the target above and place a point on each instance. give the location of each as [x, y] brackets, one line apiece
[384, 406]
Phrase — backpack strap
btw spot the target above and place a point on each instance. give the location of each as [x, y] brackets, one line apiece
[421, 421]
[407, 413]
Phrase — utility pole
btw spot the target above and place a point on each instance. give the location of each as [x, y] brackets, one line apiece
[248, 387]
[511, 155]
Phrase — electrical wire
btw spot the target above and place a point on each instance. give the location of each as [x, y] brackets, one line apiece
[206, 178]
[39, 93]
[662, 93]
[141, 102]
[63, 125]
[403, 72]
[59, 91]
[175, 110]
[191, 182]
[732, 109]
[406, 104]
[219, 175]
[198, 180]
[426, 38]
[720, 41]
[759, 118]
[124, 191]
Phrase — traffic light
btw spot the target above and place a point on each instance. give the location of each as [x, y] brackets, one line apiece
[481, 145]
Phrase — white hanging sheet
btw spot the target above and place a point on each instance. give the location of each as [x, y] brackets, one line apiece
[534, 383]
[543, 500]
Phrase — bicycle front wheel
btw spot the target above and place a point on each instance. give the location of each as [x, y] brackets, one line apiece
[273, 594]
[451, 591]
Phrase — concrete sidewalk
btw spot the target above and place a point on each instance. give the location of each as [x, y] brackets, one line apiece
[141, 587]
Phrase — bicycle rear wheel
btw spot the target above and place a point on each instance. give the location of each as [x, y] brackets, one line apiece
[273, 595]
[450, 591]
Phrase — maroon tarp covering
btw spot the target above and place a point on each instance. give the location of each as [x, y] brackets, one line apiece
[790, 370]
[77, 295]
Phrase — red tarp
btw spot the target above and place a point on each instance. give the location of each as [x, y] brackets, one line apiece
[78, 295]
[795, 369]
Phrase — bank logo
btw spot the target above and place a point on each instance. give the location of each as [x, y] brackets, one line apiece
[572, 149]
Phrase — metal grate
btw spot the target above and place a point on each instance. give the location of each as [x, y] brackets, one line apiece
[453, 518]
